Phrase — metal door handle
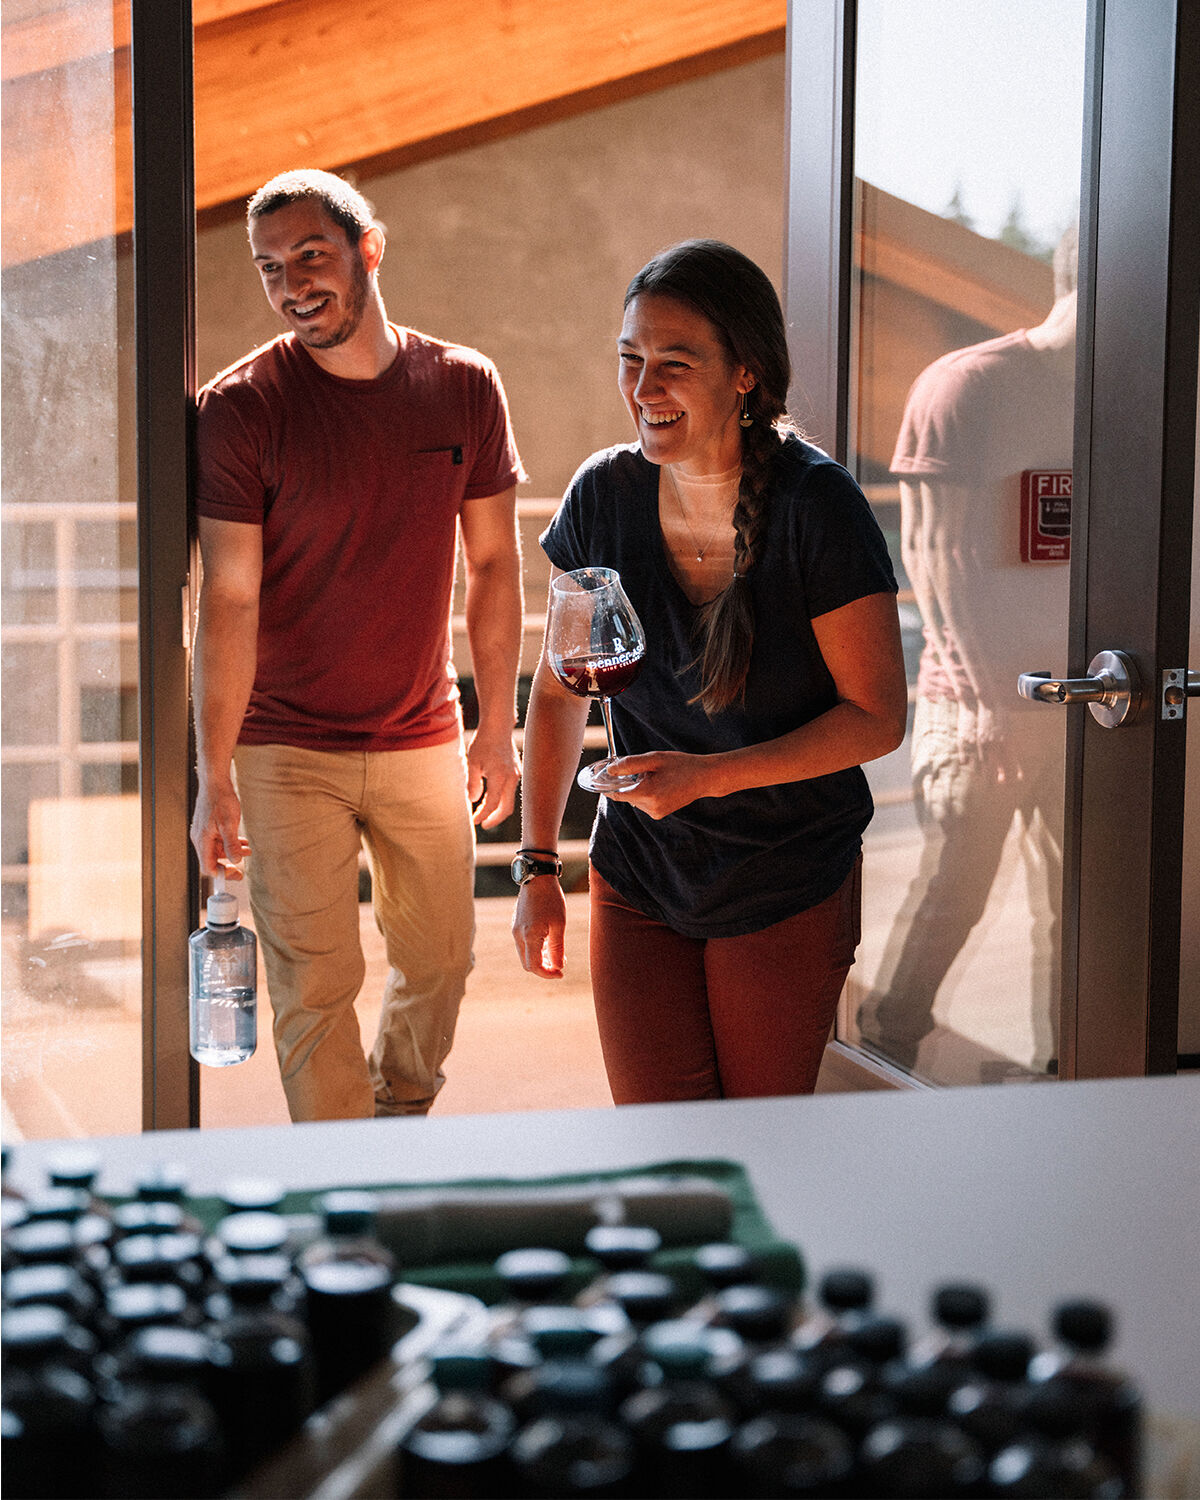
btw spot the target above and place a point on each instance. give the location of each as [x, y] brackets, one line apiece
[1112, 688]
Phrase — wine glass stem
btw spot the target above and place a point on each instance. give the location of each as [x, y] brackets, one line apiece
[606, 710]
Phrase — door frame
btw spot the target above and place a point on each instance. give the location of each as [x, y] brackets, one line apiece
[164, 323]
[1133, 490]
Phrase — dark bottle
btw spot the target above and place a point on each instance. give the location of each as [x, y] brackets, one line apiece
[844, 1295]
[252, 1195]
[348, 1278]
[854, 1396]
[551, 1331]
[459, 1445]
[759, 1314]
[37, 1335]
[262, 1371]
[643, 1296]
[532, 1275]
[13, 1216]
[678, 1349]
[716, 1266]
[622, 1247]
[145, 1304]
[49, 1437]
[157, 1409]
[912, 1457]
[1041, 1468]
[987, 1405]
[66, 1203]
[79, 1169]
[533, 1280]
[945, 1358]
[791, 1454]
[619, 1248]
[772, 1380]
[682, 1424]
[250, 1232]
[6, 1187]
[161, 1190]
[1075, 1392]
[262, 1282]
[160, 1442]
[573, 1453]
[49, 1402]
[54, 1284]
[725, 1263]
[162, 1182]
[62, 1223]
[569, 1443]
[139, 1217]
[177, 1257]
[39, 1242]
[558, 1385]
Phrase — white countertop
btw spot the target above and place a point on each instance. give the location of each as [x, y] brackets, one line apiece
[1040, 1192]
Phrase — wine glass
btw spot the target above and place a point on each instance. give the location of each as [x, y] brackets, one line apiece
[594, 646]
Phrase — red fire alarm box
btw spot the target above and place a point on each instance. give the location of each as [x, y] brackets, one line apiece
[1046, 515]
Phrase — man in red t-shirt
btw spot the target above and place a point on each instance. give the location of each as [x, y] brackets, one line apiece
[338, 466]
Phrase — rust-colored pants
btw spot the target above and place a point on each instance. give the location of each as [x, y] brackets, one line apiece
[717, 1018]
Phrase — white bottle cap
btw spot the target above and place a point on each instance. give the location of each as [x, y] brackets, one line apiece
[222, 906]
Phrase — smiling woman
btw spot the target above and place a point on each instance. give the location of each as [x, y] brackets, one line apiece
[772, 670]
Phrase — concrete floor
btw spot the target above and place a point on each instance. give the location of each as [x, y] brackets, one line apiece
[72, 1046]
[521, 1043]
[71, 1062]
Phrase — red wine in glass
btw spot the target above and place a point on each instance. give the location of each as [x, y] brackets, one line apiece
[595, 646]
[597, 676]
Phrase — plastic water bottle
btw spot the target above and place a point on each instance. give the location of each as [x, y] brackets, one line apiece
[223, 989]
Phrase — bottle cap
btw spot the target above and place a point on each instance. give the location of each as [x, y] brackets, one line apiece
[222, 907]
[960, 1305]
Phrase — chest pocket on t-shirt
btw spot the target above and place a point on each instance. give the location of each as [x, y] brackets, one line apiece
[437, 477]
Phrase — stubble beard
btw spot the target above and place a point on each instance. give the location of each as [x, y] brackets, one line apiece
[356, 306]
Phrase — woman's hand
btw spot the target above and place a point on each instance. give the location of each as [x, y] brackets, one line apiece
[539, 925]
[670, 780]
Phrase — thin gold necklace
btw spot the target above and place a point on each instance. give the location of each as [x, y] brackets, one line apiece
[700, 551]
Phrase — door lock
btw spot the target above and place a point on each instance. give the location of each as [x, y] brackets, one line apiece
[1112, 689]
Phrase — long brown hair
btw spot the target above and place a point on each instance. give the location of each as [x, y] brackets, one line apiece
[737, 298]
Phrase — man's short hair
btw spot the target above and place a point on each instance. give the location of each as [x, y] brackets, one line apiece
[344, 204]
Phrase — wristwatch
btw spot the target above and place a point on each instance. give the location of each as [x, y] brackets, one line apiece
[531, 862]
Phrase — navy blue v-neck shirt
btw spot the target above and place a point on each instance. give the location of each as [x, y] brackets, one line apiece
[724, 866]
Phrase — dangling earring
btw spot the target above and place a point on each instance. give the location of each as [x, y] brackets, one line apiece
[745, 420]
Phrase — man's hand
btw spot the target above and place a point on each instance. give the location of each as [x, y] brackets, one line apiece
[493, 771]
[216, 830]
[538, 927]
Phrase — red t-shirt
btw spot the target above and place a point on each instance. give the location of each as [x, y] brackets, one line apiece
[357, 485]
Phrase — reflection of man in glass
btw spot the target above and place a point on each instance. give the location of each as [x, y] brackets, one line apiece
[975, 420]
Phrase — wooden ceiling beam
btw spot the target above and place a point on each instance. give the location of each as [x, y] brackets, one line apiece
[284, 83]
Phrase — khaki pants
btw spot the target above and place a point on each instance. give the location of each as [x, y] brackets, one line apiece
[306, 813]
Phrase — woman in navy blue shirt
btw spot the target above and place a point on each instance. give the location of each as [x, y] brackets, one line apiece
[725, 886]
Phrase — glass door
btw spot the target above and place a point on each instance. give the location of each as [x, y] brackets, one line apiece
[98, 896]
[72, 910]
[975, 377]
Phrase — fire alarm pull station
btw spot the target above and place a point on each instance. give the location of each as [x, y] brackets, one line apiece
[1046, 515]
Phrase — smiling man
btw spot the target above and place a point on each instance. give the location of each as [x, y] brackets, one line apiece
[337, 467]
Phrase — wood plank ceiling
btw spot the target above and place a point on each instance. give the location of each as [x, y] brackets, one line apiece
[330, 83]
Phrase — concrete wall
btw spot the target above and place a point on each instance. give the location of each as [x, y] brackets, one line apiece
[523, 247]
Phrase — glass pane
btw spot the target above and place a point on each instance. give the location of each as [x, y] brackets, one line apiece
[72, 839]
[968, 142]
[1189, 965]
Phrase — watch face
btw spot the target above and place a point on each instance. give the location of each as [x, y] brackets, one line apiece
[525, 866]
